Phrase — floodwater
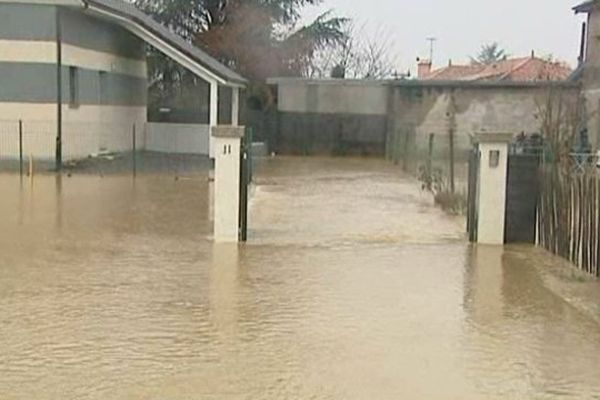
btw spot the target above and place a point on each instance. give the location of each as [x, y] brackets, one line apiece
[353, 287]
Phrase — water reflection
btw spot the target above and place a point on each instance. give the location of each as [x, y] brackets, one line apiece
[526, 341]
[224, 289]
[353, 287]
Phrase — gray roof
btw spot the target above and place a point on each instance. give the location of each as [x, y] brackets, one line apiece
[585, 7]
[577, 75]
[126, 10]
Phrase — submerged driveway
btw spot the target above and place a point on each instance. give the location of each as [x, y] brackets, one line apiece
[353, 286]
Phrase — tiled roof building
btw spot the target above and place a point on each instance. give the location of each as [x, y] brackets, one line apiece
[525, 69]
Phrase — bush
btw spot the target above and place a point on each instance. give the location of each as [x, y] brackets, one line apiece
[453, 203]
[432, 180]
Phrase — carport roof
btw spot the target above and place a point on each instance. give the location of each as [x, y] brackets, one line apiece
[585, 7]
[148, 27]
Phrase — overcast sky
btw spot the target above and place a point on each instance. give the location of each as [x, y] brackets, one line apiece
[462, 26]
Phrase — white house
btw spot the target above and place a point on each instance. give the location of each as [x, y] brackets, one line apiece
[73, 73]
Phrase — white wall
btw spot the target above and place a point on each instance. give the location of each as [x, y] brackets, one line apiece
[492, 194]
[333, 97]
[178, 138]
[86, 130]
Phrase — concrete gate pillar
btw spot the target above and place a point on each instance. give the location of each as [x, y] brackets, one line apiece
[227, 145]
[491, 186]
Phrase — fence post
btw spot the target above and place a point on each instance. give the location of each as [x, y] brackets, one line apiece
[430, 154]
[429, 163]
[451, 133]
[452, 179]
[21, 147]
[134, 144]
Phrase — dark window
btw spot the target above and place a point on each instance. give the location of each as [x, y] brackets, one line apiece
[73, 87]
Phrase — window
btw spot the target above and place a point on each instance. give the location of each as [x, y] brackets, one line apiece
[73, 87]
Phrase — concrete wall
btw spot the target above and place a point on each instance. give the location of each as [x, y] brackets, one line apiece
[177, 138]
[420, 111]
[331, 117]
[399, 116]
[333, 97]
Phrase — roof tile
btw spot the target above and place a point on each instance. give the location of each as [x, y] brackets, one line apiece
[526, 69]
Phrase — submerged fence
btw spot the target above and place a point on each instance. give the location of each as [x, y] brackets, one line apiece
[568, 215]
[103, 147]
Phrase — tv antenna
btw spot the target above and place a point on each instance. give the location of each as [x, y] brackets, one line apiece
[431, 41]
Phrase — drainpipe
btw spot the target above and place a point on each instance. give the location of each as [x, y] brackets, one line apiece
[583, 43]
[59, 116]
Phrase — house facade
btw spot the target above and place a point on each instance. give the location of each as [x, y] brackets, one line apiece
[588, 73]
[73, 74]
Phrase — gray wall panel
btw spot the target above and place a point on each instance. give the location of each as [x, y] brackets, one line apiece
[27, 22]
[27, 82]
[36, 83]
[92, 33]
[38, 22]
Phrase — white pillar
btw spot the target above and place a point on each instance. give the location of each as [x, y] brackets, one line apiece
[227, 141]
[491, 187]
[213, 118]
[235, 106]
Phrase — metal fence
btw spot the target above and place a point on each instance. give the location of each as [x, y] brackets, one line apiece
[100, 148]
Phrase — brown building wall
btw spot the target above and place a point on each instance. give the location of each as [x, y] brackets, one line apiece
[464, 110]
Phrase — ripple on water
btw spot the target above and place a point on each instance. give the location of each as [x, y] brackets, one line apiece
[353, 287]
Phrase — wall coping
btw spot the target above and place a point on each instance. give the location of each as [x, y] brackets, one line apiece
[425, 84]
[228, 131]
[493, 137]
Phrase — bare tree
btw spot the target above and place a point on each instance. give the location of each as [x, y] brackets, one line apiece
[359, 56]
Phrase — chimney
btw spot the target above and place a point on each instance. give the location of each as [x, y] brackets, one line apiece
[424, 68]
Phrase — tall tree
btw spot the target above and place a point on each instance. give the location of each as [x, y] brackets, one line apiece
[257, 38]
[489, 54]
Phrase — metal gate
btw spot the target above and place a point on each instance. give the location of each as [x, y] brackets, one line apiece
[245, 181]
[522, 194]
[472, 213]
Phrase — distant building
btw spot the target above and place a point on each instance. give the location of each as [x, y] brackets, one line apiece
[524, 69]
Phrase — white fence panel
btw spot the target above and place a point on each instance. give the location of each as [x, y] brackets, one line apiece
[178, 138]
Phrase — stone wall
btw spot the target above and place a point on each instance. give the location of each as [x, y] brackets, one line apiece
[465, 109]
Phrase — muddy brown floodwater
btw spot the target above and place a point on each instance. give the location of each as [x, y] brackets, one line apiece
[353, 287]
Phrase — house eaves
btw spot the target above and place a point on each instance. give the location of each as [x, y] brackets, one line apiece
[585, 7]
[160, 37]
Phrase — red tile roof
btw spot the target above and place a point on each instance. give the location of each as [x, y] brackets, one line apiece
[527, 69]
